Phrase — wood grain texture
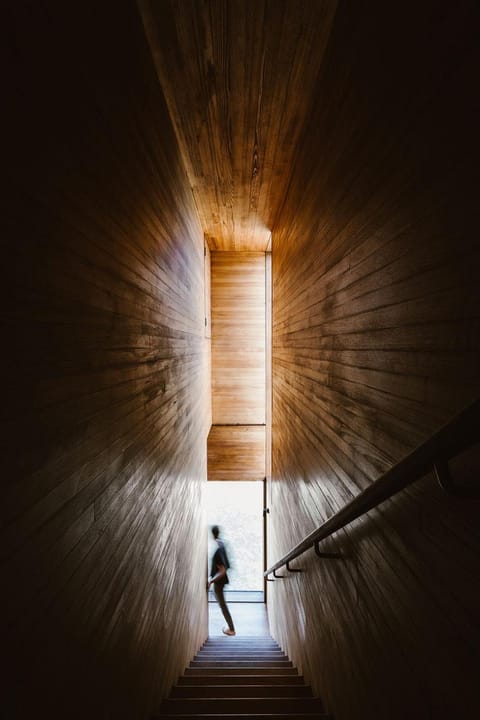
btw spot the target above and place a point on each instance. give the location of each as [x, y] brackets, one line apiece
[236, 452]
[375, 344]
[238, 338]
[105, 409]
[238, 77]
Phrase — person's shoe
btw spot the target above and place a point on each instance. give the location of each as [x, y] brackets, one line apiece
[227, 631]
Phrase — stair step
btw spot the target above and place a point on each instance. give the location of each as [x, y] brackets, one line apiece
[240, 641]
[241, 671]
[244, 716]
[243, 649]
[229, 645]
[250, 691]
[215, 657]
[241, 663]
[229, 642]
[218, 679]
[262, 705]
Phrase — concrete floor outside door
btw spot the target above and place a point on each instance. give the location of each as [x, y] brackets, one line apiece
[250, 619]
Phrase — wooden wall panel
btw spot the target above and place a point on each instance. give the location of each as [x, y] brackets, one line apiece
[238, 77]
[236, 452]
[238, 338]
[106, 375]
[376, 294]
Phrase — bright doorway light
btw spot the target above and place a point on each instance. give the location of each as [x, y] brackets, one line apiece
[236, 507]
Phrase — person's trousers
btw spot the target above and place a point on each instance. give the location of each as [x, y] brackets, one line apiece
[218, 590]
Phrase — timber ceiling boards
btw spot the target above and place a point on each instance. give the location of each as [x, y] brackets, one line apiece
[238, 77]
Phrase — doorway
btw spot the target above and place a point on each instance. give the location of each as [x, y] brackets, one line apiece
[237, 508]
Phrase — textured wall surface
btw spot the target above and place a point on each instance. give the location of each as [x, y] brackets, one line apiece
[236, 444]
[106, 376]
[236, 452]
[375, 345]
[238, 80]
[238, 338]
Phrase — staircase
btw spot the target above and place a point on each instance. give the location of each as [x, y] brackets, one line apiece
[241, 678]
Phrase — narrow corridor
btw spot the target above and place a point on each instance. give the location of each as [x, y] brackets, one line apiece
[311, 167]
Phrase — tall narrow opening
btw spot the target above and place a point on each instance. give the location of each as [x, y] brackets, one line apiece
[237, 508]
[237, 443]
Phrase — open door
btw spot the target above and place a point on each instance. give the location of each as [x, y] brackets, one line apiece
[237, 508]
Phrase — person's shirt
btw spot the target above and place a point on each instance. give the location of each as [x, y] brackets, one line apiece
[220, 558]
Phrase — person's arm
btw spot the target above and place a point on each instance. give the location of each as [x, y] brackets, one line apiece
[221, 572]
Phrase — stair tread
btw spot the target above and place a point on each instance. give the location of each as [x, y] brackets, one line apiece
[244, 653]
[239, 648]
[231, 647]
[250, 685]
[232, 664]
[239, 670]
[222, 705]
[243, 658]
[191, 680]
[234, 659]
[261, 700]
[231, 691]
[240, 716]
[240, 653]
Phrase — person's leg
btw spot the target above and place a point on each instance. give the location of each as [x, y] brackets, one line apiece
[218, 590]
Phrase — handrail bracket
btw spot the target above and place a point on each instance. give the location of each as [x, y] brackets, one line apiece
[293, 569]
[444, 477]
[325, 555]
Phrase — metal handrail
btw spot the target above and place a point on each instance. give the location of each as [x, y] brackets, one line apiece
[459, 433]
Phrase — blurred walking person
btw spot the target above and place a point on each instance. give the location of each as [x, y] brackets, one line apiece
[219, 578]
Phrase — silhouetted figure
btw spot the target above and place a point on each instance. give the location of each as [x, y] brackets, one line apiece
[219, 578]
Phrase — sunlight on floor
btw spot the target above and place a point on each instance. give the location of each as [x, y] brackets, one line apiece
[250, 619]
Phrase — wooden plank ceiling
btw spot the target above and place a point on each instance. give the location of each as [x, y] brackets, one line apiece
[238, 77]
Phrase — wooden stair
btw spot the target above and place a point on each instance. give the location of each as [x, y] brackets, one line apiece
[241, 678]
